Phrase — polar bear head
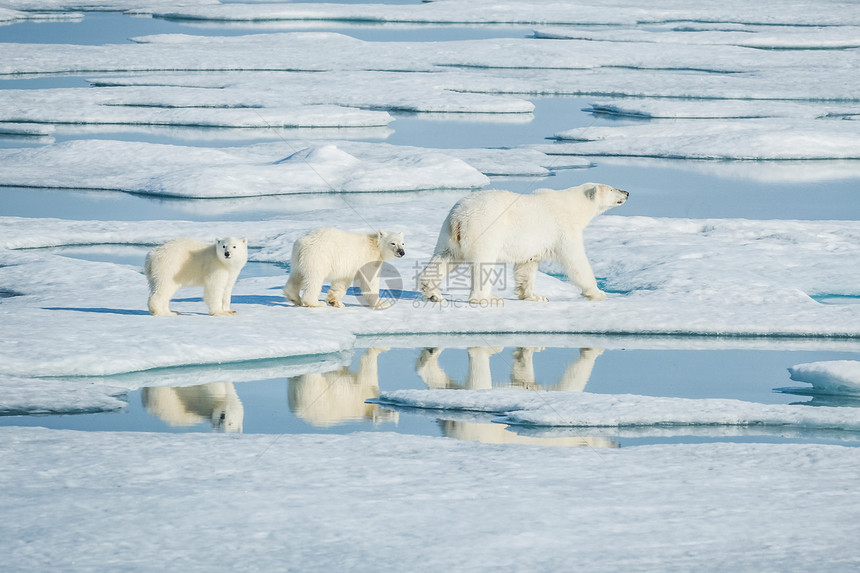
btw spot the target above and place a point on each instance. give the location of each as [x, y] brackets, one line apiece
[228, 417]
[232, 251]
[390, 244]
[604, 196]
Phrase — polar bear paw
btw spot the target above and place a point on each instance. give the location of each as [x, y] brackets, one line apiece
[382, 304]
[332, 301]
[535, 298]
[596, 295]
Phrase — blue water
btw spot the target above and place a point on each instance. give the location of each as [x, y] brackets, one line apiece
[299, 404]
[659, 188]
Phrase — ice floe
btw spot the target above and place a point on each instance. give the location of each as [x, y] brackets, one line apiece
[769, 37]
[393, 487]
[320, 52]
[26, 396]
[163, 106]
[283, 167]
[767, 139]
[535, 12]
[99, 5]
[272, 97]
[838, 377]
[723, 109]
[665, 277]
[518, 407]
[10, 16]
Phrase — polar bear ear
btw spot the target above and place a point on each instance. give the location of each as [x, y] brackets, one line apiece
[244, 240]
[379, 235]
[591, 192]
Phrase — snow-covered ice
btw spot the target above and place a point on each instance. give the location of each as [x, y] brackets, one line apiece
[382, 502]
[584, 409]
[626, 12]
[26, 396]
[731, 139]
[192, 107]
[283, 167]
[665, 276]
[839, 377]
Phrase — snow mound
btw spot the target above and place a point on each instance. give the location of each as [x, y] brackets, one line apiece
[320, 155]
[255, 170]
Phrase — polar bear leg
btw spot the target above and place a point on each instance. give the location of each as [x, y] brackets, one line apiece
[159, 299]
[336, 292]
[482, 280]
[213, 292]
[430, 279]
[293, 287]
[428, 368]
[312, 285]
[368, 278]
[524, 275]
[575, 263]
[523, 367]
[228, 294]
[480, 376]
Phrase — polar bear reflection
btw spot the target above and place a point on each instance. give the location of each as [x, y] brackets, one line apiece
[216, 402]
[479, 377]
[331, 398]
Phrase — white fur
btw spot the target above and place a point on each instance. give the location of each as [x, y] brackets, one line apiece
[496, 226]
[188, 262]
[216, 402]
[339, 256]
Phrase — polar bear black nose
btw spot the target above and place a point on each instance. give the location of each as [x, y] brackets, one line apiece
[400, 252]
[226, 254]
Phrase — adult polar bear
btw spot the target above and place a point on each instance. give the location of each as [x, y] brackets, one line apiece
[496, 226]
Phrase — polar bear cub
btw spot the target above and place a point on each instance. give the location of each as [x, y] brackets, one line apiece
[342, 257]
[216, 402]
[496, 226]
[188, 262]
